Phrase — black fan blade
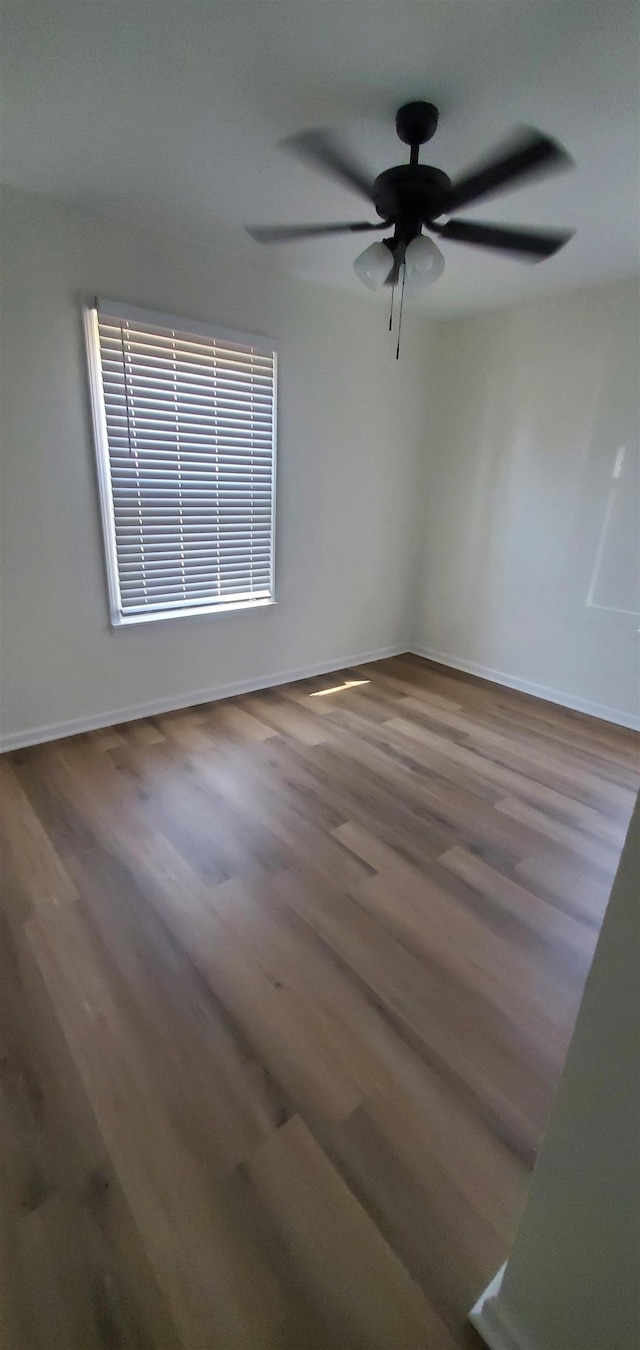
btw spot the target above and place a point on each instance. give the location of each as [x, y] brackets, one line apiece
[278, 234]
[526, 155]
[321, 149]
[533, 245]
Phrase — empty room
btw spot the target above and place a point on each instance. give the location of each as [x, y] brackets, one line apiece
[319, 675]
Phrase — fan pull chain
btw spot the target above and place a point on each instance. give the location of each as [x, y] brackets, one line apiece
[404, 273]
[393, 291]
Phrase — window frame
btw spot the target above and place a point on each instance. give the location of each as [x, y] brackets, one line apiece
[110, 309]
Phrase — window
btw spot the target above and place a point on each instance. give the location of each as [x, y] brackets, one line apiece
[184, 422]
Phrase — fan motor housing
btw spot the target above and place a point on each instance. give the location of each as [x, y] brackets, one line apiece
[416, 122]
[417, 190]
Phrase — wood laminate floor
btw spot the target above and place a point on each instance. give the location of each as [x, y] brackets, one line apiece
[286, 983]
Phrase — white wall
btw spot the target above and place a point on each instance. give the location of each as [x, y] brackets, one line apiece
[521, 525]
[455, 502]
[350, 428]
[571, 1281]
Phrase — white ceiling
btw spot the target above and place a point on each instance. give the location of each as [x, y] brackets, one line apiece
[169, 112]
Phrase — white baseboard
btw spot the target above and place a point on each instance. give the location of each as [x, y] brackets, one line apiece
[17, 740]
[495, 1332]
[601, 710]
[489, 1319]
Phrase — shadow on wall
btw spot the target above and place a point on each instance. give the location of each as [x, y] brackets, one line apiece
[532, 537]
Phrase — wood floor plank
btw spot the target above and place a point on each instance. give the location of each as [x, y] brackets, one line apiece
[143, 733]
[429, 919]
[526, 716]
[569, 881]
[451, 813]
[470, 1045]
[368, 1048]
[214, 1089]
[579, 840]
[281, 716]
[519, 784]
[392, 677]
[558, 767]
[442, 1240]
[238, 720]
[361, 1288]
[214, 1281]
[187, 806]
[286, 983]
[557, 928]
[39, 870]
[287, 1035]
[60, 1159]
[300, 821]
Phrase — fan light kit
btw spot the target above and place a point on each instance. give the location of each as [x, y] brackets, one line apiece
[423, 263]
[413, 197]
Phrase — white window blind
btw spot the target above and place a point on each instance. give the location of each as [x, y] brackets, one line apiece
[185, 432]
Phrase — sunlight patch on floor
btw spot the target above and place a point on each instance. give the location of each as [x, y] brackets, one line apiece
[338, 688]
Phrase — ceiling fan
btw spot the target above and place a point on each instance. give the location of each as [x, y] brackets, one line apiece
[412, 197]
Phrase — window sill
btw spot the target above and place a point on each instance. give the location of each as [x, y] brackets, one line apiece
[121, 623]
